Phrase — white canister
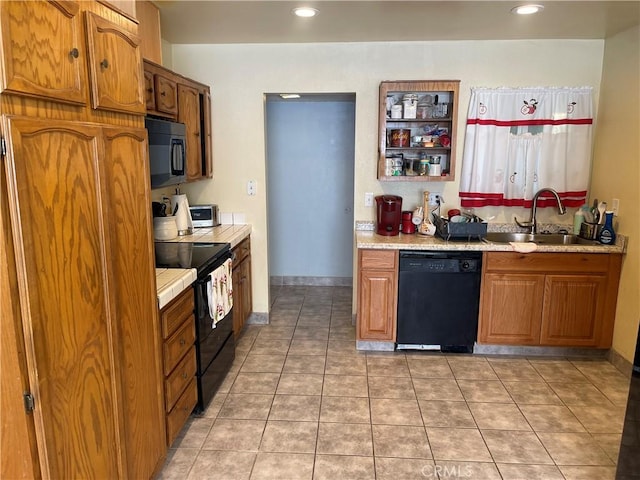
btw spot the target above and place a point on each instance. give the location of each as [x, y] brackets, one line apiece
[396, 111]
[435, 170]
[410, 104]
[165, 228]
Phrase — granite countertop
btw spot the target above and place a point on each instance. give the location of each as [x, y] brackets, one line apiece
[171, 282]
[370, 239]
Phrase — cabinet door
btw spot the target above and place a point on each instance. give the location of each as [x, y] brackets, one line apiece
[189, 114]
[246, 298]
[42, 50]
[377, 305]
[114, 54]
[59, 221]
[573, 310]
[166, 94]
[208, 145]
[127, 199]
[149, 91]
[511, 309]
[238, 312]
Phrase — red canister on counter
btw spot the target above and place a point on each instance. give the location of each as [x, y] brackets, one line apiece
[407, 224]
[400, 138]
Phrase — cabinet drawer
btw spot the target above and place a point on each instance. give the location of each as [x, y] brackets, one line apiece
[179, 343]
[175, 384]
[241, 251]
[546, 262]
[379, 259]
[175, 313]
[181, 411]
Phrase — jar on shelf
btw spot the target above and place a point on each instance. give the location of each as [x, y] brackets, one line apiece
[410, 103]
[423, 170]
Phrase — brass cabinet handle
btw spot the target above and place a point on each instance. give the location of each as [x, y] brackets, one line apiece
[74, 53]
[104, 63]
[163, 94]
[182, 341]
[185, 376]
[150, 90]
[197, 134]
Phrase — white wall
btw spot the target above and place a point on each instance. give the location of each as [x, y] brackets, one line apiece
[240, 75]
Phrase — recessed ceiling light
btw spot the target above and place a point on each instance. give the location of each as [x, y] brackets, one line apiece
[288, 96]
[304, 12]
[527, 9]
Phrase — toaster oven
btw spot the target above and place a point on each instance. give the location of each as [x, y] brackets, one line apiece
[204, 215]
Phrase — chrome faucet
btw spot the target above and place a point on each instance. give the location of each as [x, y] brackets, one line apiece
[532, 223]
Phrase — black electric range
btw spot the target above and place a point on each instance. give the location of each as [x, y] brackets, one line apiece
[200, 256]
[215, 346]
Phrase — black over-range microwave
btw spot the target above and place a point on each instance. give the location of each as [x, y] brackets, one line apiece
[167, 152]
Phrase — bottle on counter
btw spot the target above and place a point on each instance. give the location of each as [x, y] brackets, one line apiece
[607, 234]
[578, 218]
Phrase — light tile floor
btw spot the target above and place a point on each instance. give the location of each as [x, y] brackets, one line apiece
[301, 403]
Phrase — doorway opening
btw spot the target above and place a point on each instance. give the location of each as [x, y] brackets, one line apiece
[310, 151]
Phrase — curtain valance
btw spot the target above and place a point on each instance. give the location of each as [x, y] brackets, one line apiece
[519, 140]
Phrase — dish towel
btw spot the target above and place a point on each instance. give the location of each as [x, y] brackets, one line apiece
[220, 292]
[524, 247]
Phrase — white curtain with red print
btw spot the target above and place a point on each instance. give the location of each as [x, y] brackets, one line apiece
[519, 140]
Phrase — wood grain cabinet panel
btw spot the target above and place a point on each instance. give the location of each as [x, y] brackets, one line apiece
[179, 359]
[126, 175]
[43, 53]
[166, 93]
[241, 282]
[573, 307]
[555, 299]
[67, 306]
[114, 54]
[511, 308]
[377, 294]
[149, 91]
[189, 114]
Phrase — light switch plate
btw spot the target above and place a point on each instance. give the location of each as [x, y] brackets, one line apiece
[368, 199]
[615, 205]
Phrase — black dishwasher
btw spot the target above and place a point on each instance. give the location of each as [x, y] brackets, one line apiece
[438, 300]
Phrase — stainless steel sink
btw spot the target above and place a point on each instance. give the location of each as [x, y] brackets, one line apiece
[538, 238]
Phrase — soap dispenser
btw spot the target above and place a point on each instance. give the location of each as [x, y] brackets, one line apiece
[607, 234]
[578, 218]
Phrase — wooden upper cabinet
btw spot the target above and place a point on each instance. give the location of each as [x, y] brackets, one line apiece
[67, 311]
[166, 94]
[115, 67]
[189, 114]
[43, 52]
[208, 145]
[149, 91]
[149, 30]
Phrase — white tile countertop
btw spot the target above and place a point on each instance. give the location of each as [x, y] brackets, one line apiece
[171, 282]
[232, 234]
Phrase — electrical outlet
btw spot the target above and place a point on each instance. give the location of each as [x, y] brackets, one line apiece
[434, 198]
[251, 188]
[368, 199]
[615, 205]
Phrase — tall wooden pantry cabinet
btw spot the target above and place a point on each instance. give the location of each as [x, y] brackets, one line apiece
[81, 360]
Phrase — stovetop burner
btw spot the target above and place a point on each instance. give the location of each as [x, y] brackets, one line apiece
[188, 255]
